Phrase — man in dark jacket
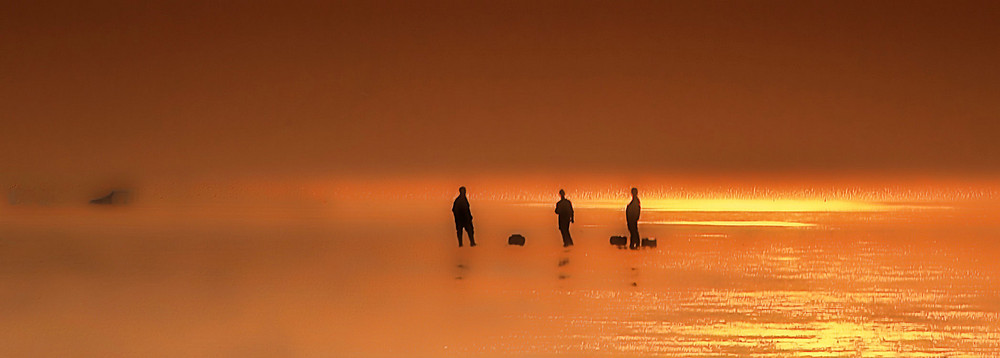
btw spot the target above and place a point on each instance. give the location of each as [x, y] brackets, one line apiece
[565, 210]
[463, 216]
[632, 218]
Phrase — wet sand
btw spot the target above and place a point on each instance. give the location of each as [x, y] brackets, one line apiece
[357, 280]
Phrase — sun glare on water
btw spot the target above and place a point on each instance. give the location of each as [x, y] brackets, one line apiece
[747, 205]
[735, 206]
[731, 223]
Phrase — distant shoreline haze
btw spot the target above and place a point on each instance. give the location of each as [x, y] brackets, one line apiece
[745, 193]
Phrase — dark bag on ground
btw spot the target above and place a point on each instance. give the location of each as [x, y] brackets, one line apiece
[649, 242]
[619, 240]
[515, 239]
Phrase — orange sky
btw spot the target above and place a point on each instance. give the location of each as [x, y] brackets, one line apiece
[130, 88]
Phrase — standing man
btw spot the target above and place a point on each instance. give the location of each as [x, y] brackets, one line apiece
[632, 218]
[463, 216]
[564, 208]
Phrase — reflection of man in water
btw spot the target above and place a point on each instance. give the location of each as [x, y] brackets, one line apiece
[632, 218]
[463, 216]
[565, 210]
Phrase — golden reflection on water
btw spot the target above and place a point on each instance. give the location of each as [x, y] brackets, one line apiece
[381, 283]
[850, 287]
[731, 223]
[747, 205]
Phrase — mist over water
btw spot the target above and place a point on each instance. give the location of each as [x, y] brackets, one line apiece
[374, 277]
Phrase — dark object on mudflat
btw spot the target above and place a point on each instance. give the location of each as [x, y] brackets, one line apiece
[115, 197]
[515, 239]
[649, 242]
[619, 240]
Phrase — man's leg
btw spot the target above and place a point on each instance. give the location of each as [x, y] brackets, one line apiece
[633, 229]
[567, 240]
[472, 240]
[459, 227]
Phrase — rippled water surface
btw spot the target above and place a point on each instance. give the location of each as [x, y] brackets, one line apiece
[376, 280]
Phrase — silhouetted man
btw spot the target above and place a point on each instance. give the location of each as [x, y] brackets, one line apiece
[463, 217]
[632, 218]
[565, 210]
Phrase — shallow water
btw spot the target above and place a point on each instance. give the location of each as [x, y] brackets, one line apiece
[366, 279]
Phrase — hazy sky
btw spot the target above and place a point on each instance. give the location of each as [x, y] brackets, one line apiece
[131, 87]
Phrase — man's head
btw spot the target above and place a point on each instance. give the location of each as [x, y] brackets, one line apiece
[562, 193]
[635, 192]
[461, 190]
